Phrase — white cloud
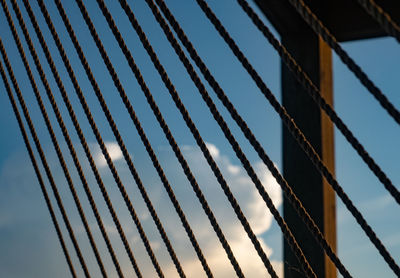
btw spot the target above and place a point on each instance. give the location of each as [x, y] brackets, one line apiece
[213, 150]
[233, 169]
[114, 152]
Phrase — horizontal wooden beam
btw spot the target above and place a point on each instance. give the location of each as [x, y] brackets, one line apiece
[346, 19]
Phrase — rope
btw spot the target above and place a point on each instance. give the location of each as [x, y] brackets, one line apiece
[119, 140]
[50, 130]
[145, 197]
[36, 168]
[315, 94]
[228, 135]
[121, 91]
[162, 72]
[149, 205]
[152, 210]
[383, 18]
[168, 134]
[124, 48]
[299, 137]
[249, 135]
[154, 159]
[54, 139]
[195, 133]
[67, 138]
[321, 30]
[80, 134]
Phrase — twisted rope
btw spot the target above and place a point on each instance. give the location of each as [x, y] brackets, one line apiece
[54, 139]
[315, 94]
[118, 138]
[37, 172]
[81, 137]
[151, 152]
[67, 138]
[321, 30]
[143, 192]
[122, 92]
[383, 18]
[152, 210]
[200, 143]
[249, 135]
[300, 138]
[36, 139]
[128, 54]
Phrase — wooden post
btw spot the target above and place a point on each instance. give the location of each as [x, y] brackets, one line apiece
[318, 198]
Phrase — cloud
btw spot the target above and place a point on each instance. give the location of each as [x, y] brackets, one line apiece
[113, 150]
[240, 184]
[213, 150]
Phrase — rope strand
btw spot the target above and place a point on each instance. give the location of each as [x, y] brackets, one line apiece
[315, 94]
[382, 17]
[113, 74]
[321, 30]
[54, 139]
[249, 135]
[39, 147]
[95, 131]
[299, 137]
[168, 23]
[174, 94]
[103, 147]
[67, 137]
[37, 172]
[151, 208]
[232, 141]
[155, 161]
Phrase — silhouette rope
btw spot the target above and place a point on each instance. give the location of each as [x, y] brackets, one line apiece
[37, 171]
[231, 139]
[382, 17]
[33, 132]
[250, 136]
[299, 137]
[321, 30]
[155, 217]
[161, 173]
[170, 192]
[67, 138]
[83, 141]
[54, 139]
[119, 140]
[122, 93]
[315, 94]
[123, 46]
[150, 207]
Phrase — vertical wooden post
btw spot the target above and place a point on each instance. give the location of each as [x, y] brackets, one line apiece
[315, 58]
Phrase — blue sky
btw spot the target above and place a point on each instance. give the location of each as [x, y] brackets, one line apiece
[27, 237]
